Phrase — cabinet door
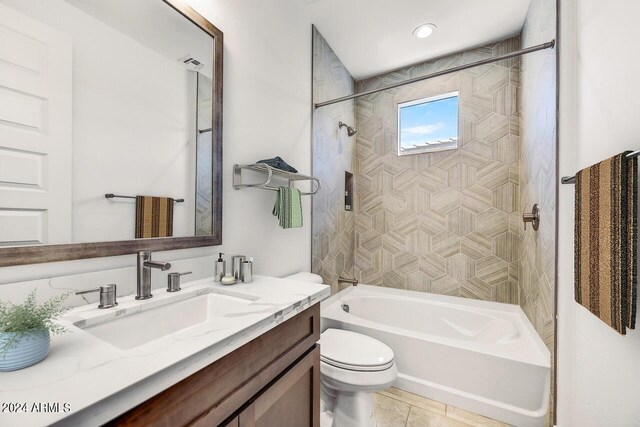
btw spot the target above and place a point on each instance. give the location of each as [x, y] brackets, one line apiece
[292, 401]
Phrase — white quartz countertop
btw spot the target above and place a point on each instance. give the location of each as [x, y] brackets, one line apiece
[86, 381]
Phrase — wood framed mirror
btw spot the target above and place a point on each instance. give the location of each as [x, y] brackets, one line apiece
[104, 100]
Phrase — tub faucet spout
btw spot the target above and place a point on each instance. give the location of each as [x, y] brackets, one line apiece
[345, 281]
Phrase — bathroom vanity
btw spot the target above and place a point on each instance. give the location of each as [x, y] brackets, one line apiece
[252, 359]
[273, 380]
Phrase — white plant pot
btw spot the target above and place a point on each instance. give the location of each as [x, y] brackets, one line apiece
[29, 349]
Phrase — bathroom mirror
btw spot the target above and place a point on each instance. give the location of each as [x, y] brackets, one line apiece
[101, 102]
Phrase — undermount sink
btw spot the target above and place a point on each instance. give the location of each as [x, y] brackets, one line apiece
[132, 330]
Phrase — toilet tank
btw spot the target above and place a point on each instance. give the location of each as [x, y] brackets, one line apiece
[304, 276]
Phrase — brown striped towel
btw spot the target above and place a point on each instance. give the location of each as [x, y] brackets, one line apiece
[605, 240]
[154, 217]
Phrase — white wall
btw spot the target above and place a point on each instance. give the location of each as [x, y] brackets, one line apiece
[267, 112]
[599, 370]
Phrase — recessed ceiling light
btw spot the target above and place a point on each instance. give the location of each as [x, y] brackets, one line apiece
[424, 31]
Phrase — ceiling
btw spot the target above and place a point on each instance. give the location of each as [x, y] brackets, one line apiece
[375, 36]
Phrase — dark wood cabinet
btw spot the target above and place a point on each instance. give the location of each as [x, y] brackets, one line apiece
[291, 401]
[272, 380]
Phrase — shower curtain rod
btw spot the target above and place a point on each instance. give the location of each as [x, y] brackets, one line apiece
[548, 45]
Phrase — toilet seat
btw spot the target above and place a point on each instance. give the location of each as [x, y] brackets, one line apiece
[354, 352]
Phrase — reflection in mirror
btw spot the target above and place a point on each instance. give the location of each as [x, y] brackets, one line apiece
[204, 158]
[108, 98]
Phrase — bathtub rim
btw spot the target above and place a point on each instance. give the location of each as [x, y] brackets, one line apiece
[542, 359]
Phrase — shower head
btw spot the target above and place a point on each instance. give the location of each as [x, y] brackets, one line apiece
[350, 129]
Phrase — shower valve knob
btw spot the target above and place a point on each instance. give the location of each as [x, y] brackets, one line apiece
[533, 218]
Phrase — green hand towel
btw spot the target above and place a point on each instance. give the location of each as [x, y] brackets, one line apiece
[276, 206]
[295, 208]
[288, 207]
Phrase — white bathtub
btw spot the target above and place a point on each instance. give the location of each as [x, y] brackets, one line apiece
[481, 356]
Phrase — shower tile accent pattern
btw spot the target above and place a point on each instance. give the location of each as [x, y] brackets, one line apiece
[333, 153]
[446, 222]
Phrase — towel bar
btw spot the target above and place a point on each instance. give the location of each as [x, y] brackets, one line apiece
[113, 196]
[271, 172]
[572, 179]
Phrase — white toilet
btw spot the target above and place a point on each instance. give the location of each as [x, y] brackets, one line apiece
[352, 367]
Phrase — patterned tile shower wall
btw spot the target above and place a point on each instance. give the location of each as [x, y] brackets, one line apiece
[538, 169]
[445, 222]
[333, 154]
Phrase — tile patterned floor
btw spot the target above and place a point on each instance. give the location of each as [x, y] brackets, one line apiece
[398, 408]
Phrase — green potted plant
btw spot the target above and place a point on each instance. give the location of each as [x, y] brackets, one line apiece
[25, 330]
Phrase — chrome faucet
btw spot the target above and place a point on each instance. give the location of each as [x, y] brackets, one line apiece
[144, 273]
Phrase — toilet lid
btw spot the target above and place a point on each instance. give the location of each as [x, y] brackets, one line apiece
[354, 351]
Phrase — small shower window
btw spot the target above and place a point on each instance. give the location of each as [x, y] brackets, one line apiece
[428, 124]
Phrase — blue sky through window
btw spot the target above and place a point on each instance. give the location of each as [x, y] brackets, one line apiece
[429, 122]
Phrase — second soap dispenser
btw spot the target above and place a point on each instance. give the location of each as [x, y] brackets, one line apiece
[220, 269]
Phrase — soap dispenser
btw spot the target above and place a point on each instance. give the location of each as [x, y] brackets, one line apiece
[220, 269]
